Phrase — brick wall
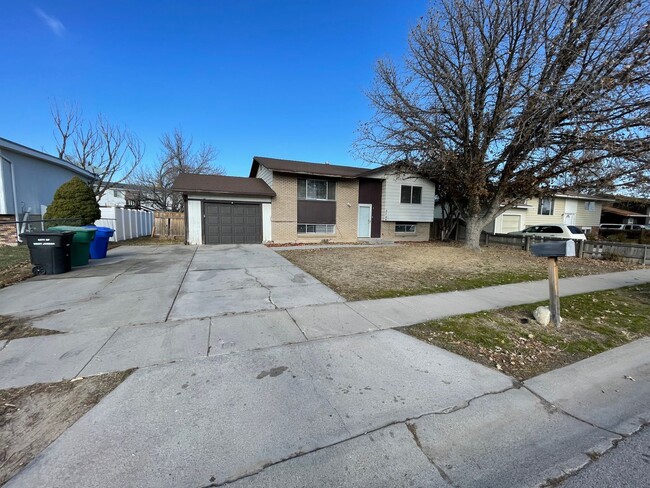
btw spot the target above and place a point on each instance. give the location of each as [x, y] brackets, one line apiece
[421, 232]
[284, 208]
[8, 236]
[284, 212]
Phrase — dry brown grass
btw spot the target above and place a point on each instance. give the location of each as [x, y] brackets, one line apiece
[33, 416]
[418, 268]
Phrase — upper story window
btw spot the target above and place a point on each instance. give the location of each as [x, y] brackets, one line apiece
[316, 189]
[411, 194]
[117, 194]
[590, 205]
[545, 207]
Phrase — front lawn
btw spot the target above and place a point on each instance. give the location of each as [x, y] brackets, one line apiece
[430, 267]
[511, 341]
[14, 264]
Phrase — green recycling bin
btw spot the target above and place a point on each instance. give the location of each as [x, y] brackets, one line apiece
[80, 242]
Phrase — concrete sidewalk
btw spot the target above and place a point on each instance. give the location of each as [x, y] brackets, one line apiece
[109, 349]
[376, 409]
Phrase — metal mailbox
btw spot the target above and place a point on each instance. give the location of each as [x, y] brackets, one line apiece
[554, 249]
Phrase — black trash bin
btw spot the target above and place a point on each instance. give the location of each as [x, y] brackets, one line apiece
[50, 252]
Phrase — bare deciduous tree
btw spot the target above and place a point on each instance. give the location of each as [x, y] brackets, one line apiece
[501, 100]
[177, 156]
[110, 151]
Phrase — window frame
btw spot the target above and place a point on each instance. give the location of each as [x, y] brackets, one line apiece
[330, 190]
[540, 206]
[314, 231]
[411, 192]
[590, 205]
[406, 224]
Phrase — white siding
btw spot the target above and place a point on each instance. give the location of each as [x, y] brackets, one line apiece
[194, 222]
[266, 223]
[265, 174]
[109, 199]
[35, 180]
[393, 210]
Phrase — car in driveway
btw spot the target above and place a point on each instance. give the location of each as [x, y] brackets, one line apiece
[555, 231]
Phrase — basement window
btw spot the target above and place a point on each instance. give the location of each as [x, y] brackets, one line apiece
[316, 228]
[405, 228]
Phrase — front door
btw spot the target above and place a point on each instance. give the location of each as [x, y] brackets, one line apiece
[570, 211]
[365, 219]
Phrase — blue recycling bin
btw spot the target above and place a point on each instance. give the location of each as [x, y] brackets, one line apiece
[99, 245]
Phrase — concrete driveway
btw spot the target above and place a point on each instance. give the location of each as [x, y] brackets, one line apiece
[144, 285]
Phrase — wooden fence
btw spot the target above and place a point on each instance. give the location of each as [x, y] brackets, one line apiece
[632, 253]
[169, 225]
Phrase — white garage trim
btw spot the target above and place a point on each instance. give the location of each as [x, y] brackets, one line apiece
[266, 223]
[194, 222]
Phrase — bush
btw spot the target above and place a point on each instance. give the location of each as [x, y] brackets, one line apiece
[73, 200]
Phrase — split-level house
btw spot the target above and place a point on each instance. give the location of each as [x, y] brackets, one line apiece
[285, 201]
[582, 211]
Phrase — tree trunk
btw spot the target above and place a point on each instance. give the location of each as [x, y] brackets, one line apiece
[473, 232]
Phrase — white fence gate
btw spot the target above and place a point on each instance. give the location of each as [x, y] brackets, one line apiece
[128, 223]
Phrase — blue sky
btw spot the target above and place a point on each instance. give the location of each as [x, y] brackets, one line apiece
[275, 78]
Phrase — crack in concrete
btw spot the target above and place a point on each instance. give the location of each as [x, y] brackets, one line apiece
[412, 428]
[207, 352]
[352, 437]
[180, 285]
[323, 397]
[551, 407]
[267, 288]
[295, 322]
[97, 352]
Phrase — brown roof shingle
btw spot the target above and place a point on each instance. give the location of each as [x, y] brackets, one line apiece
[231, 185]
[302, 167]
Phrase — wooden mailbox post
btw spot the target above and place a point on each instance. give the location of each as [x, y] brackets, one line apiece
[553, 250]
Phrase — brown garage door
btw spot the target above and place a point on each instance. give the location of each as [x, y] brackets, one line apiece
[233, 223]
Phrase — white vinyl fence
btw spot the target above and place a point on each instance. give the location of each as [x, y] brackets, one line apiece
[128, 223]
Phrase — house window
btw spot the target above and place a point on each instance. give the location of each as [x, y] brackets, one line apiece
[590, 205]
[546, 205]
[411, 194]
[117, 193]
[405, 228]
[316, 228]
[316, 189]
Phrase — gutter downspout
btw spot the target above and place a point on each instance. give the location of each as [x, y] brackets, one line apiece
[13, 192]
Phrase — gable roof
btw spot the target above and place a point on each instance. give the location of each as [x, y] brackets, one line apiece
[583, 196]
[305, 168]
[48, 158]
[231, 185]
[624, 213]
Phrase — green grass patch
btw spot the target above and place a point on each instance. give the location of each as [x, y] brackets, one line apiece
[511, 340]
[11, 256]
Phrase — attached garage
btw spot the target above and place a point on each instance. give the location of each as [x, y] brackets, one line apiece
[512, 220]
[225, 209]
[232, 223]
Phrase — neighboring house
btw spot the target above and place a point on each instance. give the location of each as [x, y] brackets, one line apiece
[626, 210]
[583, 211]
[286, 201]
[28, 180]
[122, 195]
